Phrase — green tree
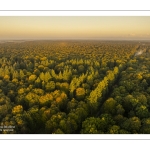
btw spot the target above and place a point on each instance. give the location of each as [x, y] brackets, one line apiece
[5, 106]
[142, 112]
[130, 103]
[119, 109]
[17, 110]
[46, 100]
[81, 69]
[31, 99]
[109, 106]
[145, 129]
[91, 126]
[114, 130]
[132, 125]
[32, 78]
[47, 77]
[42, 76]
[21, 74]
[64, 87]
[94, 125]
[80, 93]
[72, 105]
[34, 121]
[53, 124]
[38, 83]
[50, 86]
[144, 84]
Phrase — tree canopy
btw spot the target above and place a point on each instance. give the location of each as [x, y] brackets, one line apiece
[80, 87]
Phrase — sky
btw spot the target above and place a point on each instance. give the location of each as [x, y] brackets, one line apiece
[75, 27]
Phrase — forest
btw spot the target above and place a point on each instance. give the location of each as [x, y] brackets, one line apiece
[75, 87]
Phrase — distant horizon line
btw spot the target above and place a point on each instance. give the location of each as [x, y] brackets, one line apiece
[76, 39]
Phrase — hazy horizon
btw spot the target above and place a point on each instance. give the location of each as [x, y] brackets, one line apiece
[75, 28]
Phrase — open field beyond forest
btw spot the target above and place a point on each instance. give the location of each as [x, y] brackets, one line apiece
[75, 87]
